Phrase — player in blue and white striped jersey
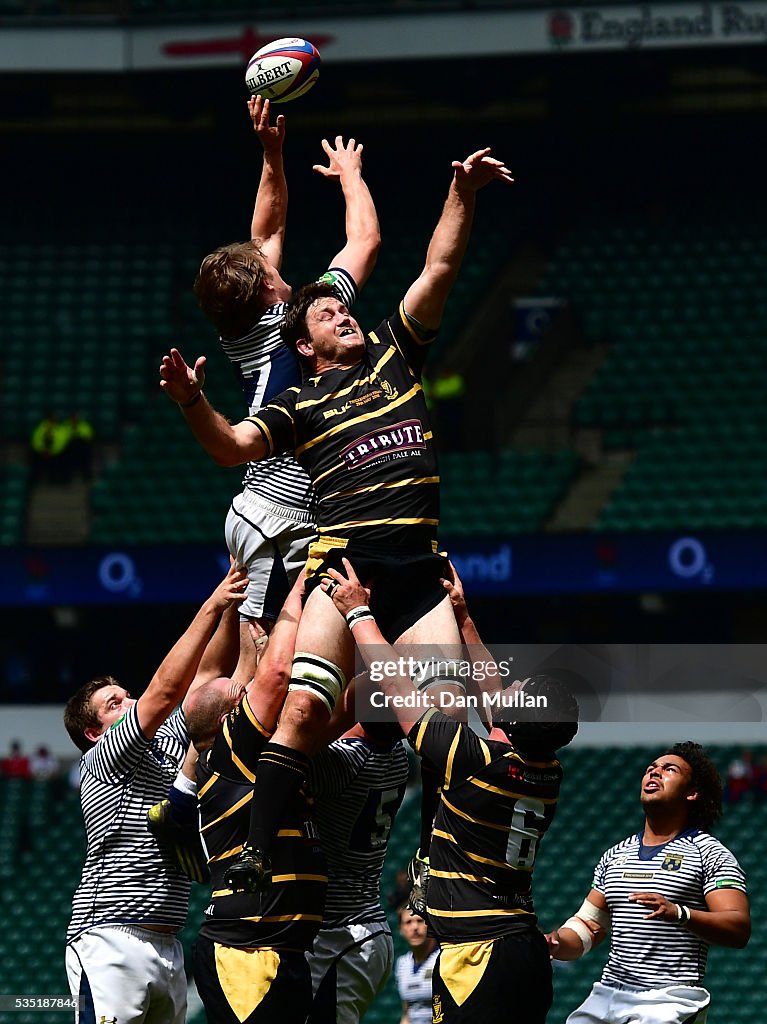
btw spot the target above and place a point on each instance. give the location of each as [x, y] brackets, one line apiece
[123, 958]
[414, 970]
[240, 290]
[357, 783]
[666, 894]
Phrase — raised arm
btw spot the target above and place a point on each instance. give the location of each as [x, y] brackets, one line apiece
[348, 595]
[266, 694]
[172, 679]
[425, 299]
[220, 656]
[363, 235]
[228, 444]
[486, 676]
[271, 209]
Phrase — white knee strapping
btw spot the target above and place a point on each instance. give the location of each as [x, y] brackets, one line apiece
[317, 676]
[440, 672]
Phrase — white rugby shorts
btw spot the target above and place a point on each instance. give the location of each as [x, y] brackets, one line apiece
[675, 1004]
[129, 974]
[350, 965]
[272, 545]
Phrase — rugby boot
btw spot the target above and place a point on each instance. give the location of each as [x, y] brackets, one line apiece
[418, 873]
[250, 872]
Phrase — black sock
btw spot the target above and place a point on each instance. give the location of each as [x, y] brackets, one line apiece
[279, 774]
[430, 784]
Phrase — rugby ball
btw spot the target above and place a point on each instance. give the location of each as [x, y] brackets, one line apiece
[283, 70]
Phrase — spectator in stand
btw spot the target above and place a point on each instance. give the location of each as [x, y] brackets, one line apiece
[446, 393]
[760, 780]
[43, 765]
[740, 777]
[16, 764]
[78, 452]
[46, 450]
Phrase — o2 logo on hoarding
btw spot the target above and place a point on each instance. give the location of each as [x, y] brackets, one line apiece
[117, 574]
[687, 559]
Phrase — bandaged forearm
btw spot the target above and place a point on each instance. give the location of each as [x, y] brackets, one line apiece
[588, 920]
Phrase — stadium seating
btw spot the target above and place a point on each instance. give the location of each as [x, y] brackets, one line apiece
[513, 492]
[76, 328]
[684, 307]
[42, 847]
[14, 481]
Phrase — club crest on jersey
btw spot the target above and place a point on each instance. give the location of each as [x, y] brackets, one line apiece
[390, 392]
[672, 862]
[437, 1016]
[400, 441]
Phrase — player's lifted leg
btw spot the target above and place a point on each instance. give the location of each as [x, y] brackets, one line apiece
[317, 681]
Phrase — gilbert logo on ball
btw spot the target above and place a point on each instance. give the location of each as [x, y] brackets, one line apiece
[283, 70]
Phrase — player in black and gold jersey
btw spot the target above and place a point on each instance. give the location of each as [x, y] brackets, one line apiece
[498, 798]
[249, 961]
[360, 426]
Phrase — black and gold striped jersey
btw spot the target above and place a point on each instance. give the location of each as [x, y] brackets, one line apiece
[289, 914]
[363, 435]
[495, 807]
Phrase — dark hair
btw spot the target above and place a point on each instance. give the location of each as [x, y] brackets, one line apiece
[228, 287]
[79, 714]
[706, 779]
[541, 731]
[293, 327]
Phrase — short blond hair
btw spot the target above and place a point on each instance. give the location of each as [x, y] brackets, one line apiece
[228, 287]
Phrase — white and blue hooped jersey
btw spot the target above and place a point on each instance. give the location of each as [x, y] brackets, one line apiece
[266, 367]
[655, 953]
[414, 985]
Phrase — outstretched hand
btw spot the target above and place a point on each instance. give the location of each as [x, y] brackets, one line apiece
[231, 589]
[478, 170]
[344, 158]
[454, 588]
[180, 381]
[346, 592]
[272, 136]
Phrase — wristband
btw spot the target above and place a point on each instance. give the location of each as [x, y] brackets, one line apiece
[359, 614]
[682, 913]
[192, 401]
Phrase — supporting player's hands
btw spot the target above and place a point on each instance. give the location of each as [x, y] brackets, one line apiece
[272, 136]
[454, 588]
[478, 170]
[231, 589]
[661, 908]
[346, 592]
[180, 381]
[345, 158]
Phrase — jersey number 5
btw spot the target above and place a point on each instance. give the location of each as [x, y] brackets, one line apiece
[372, 827]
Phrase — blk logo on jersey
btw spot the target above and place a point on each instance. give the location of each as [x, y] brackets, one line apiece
[672, 862]
[401, 441]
